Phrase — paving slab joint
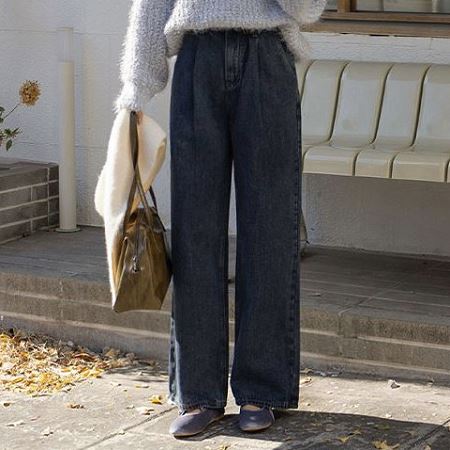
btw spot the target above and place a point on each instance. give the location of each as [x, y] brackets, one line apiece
[129, 428]
[344, 330]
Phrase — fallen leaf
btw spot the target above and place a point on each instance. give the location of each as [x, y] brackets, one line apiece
[74, 406]
[112, 353]
[411, 433]
[144, 410]
[344, 439]
[7, 366]
[15, 424]
[6, 403]
[383, 445]
[148, 362]
[156, 399]
[84, 356]
[305, 380]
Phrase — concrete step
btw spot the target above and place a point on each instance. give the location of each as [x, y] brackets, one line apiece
[378, 314]
[337, 328]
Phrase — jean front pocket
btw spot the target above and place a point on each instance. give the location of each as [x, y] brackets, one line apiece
[288, 55]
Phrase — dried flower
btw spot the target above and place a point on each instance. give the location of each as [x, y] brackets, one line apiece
[29, 92]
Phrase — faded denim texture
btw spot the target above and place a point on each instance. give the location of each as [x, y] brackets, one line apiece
[235, 103]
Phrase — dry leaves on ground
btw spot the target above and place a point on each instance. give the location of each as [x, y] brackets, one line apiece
[383, 445]
[39, 365]
[344, 439]
[156, 399]
[74, 406]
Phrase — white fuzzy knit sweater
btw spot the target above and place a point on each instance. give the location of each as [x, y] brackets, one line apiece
[156, 28]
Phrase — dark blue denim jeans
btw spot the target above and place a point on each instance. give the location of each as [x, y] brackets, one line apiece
[235, 103]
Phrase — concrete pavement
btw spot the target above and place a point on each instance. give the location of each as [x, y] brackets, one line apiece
[336, 411]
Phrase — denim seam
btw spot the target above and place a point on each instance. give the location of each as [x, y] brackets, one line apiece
[294, 294]
[288, 56]
[297, 253]
[237, 60]
[232, 59]
[172, 374]
[225, 64]
[224, 258]
[291, 330]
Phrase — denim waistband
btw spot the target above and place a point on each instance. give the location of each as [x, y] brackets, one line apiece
[245, 31]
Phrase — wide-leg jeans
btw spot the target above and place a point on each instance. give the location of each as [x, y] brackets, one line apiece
[235, 103]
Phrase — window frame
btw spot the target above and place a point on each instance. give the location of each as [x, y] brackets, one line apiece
[347, 20]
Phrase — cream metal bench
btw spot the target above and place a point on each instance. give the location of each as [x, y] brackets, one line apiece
[375, 119]
[384, 120]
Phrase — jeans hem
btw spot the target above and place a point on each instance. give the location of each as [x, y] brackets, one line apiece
[271, 403]
[216, 404]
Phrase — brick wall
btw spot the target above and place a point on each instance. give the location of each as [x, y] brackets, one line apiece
[28, 198]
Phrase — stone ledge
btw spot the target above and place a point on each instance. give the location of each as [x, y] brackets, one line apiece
[380, 310]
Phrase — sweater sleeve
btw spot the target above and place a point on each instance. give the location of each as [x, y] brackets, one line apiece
[304, 11]
[143, 66]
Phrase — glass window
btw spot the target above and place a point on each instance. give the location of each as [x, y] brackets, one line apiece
[409, 6]
[427, 18]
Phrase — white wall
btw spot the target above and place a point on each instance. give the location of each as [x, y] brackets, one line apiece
[28, 51]
[340, 211]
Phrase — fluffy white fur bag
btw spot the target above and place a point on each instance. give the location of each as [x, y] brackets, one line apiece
[114, 181]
